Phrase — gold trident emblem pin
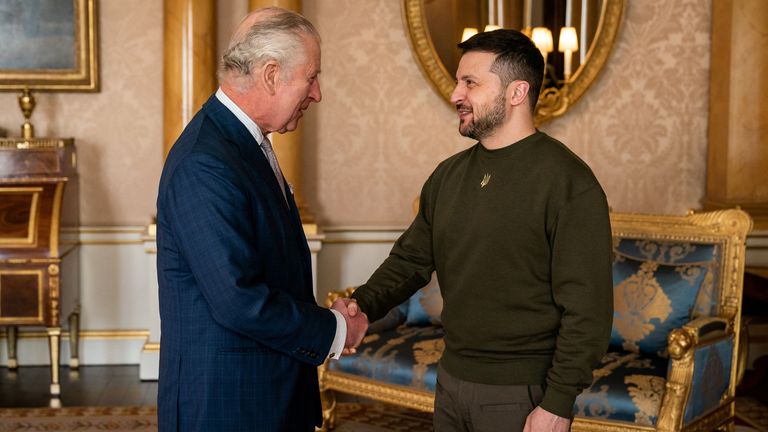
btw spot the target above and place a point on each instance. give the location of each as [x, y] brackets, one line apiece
[486, 179]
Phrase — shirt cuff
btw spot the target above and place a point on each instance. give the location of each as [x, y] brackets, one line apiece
[341, 336]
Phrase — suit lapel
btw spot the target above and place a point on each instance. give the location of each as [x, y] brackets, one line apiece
[234, 131]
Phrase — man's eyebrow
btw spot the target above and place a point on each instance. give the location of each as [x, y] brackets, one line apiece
[465, 77]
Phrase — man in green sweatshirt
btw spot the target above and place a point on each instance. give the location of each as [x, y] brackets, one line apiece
[517, 229]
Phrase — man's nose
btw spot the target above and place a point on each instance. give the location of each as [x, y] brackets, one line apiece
[457, 96]
[315, 93]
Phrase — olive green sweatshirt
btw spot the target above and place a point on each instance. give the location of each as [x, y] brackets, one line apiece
[520, 239]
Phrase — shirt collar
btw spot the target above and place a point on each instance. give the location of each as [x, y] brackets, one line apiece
[249, 124]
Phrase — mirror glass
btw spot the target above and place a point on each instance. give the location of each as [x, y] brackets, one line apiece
[575, 37]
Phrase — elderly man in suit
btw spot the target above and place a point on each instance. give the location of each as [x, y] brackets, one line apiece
[242, 335]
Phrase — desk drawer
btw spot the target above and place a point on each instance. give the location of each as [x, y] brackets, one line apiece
[27, 294]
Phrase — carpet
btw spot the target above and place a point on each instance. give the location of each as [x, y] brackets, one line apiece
[752, 413]
[351, 417]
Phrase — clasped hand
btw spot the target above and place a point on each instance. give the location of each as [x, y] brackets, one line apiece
[357, 323]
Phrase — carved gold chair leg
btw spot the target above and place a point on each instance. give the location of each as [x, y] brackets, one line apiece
[74, 339]
[54, 336]
[328, 399]
[11, 333]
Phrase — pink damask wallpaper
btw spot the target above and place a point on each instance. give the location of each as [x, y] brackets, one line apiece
[381, 129]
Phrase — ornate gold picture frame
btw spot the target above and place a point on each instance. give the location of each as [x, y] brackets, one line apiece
[49, 45]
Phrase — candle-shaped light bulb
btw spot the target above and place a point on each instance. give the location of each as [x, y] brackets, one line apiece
[568, 44]
[542, 38]
[468, 33]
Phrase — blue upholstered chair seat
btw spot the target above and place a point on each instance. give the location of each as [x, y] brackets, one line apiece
[628, 387]
[404, 356]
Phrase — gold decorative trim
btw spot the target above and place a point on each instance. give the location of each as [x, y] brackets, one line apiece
[581, 424]
[87, 334]
[552, 105]
[389, 393]
[31, 239]
[56, 219]
[35, 143]
[714, 419]
[25, 320]
[151, 346]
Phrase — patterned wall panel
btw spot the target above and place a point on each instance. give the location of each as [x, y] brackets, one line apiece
[381, 129]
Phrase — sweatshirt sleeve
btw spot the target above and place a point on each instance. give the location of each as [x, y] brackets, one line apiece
[583, 290]
[408, 267]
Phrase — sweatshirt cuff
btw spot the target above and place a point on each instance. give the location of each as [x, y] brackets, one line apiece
[558, 403]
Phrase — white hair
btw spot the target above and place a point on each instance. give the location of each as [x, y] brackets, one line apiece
[278, 36]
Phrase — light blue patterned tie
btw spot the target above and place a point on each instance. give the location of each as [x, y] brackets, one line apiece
[267, 146]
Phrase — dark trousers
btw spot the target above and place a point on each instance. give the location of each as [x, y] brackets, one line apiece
[462, 406]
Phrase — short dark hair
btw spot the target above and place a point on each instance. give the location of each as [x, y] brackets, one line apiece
[517, 58]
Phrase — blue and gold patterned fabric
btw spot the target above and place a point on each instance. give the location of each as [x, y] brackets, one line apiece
[711, 375]
[627, 387]
[405, 356]
[659, 286]
[425, 307]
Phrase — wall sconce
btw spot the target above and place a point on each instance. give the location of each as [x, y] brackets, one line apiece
[568, 44]
[491, 27]
[542, 38]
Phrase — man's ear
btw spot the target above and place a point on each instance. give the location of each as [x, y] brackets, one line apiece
[270, 75]
[517, 92]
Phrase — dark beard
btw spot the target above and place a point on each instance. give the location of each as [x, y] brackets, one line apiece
[484, 126]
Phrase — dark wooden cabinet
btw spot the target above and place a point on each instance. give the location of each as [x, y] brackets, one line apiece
[38, 193]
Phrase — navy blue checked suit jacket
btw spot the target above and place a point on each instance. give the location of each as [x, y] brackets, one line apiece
[241, 333]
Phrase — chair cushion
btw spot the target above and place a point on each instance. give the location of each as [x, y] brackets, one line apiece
[628, 387]
[657, 287]
[405, 356]
[425, 307]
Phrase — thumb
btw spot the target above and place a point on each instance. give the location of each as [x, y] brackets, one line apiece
[353, 309]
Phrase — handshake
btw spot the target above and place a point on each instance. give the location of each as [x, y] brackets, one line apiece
[357, 323]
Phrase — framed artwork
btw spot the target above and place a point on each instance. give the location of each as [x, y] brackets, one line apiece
[49, 45]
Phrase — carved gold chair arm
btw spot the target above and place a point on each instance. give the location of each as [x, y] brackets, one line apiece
[333, 295]
[682, 346]
[683, 340]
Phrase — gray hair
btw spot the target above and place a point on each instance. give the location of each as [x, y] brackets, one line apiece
[278, 36]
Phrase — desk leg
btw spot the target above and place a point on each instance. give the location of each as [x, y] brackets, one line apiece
[74, 339]
[11, 333]
[54, 334]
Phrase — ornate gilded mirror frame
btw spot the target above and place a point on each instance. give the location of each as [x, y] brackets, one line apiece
[553, 102]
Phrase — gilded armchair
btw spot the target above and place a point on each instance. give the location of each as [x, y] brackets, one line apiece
[675, 346]
[674, 355]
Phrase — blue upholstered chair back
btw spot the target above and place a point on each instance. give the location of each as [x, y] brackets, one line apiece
[659, 286]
